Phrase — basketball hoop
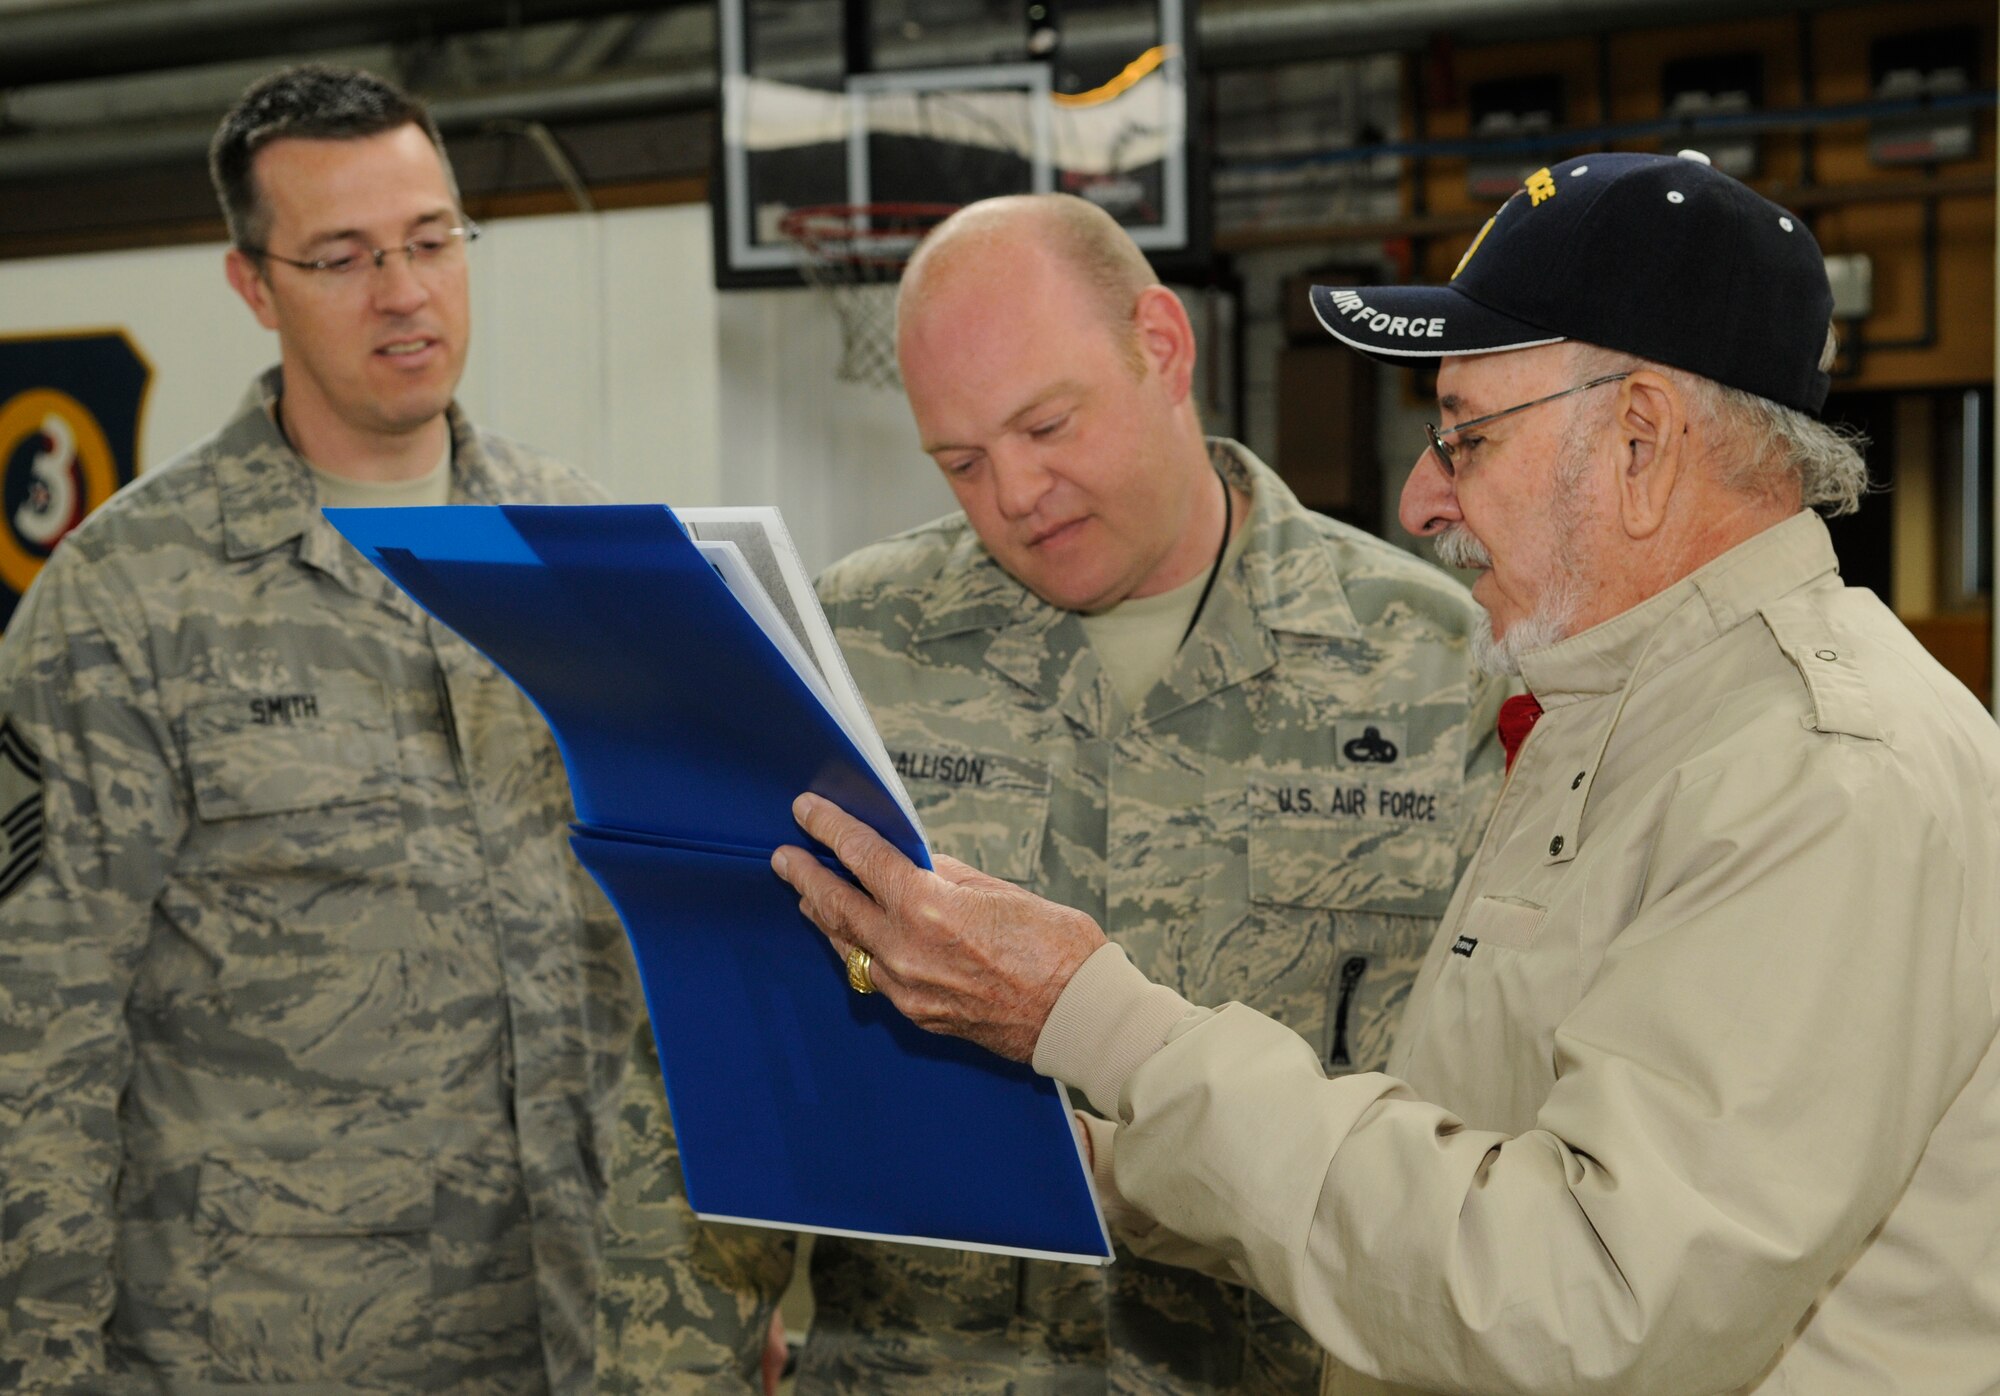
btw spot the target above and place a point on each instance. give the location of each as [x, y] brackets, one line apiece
[855, 253]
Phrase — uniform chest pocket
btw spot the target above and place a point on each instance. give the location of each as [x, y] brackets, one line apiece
[300, 777]
[1347, 878]
[986, 809]
[1350, 845]
[1504, 921]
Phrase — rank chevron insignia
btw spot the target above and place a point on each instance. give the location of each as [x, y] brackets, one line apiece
[20, 808]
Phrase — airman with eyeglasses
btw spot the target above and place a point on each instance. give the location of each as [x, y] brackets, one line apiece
[354, 252]
[313, 1010]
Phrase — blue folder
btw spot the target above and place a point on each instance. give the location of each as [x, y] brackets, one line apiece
[686, 735]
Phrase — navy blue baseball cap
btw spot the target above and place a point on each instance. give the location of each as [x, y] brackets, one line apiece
[1659, 256]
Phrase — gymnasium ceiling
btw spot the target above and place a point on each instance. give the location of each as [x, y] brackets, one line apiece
[106, 105]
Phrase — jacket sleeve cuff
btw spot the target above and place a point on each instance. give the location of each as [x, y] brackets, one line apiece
[1127, 1221]
[1101, 1133]
[1109, 1020]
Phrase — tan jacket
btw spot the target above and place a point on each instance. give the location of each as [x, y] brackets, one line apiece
[1697, 1091]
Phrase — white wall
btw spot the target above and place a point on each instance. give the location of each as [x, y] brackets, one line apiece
[598, 337]
[178, 311]
[594, 338]
[840, 459]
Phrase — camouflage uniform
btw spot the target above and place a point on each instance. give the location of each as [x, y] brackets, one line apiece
[307, 1016]
[1281, 824]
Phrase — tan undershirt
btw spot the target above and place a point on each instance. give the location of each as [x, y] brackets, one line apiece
[1136, 641]
[339, 492]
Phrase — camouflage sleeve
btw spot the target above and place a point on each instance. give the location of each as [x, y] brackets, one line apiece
[93, 812]
[683, 1306]
[611, 1005]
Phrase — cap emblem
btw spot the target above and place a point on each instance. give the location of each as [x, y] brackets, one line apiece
[1462, 261]
[1541, 187]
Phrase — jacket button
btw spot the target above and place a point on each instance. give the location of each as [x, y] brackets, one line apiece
[1578, 782]
[1555, 845]
[1828, 655]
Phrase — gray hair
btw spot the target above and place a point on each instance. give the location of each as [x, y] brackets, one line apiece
[1761, 448]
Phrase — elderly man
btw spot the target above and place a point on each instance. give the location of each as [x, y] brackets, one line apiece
[1698, 1089]
[1137, 676]
[305, 1008]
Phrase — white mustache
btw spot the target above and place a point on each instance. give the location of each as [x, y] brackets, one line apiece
[1456, 547]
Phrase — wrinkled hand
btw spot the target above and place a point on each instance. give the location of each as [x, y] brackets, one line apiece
[957, 951]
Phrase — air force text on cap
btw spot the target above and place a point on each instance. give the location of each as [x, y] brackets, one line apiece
[1350, 304]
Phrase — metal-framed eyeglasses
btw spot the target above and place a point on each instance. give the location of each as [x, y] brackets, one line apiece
[431, 248]
[1442, 449]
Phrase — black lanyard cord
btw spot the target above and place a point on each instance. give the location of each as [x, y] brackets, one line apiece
[1214, 568]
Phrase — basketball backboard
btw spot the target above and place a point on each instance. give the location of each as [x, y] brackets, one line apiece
[859, 102]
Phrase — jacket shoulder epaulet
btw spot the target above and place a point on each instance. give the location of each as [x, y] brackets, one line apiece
[1842, 703]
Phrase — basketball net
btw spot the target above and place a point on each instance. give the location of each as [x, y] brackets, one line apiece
[854, 254]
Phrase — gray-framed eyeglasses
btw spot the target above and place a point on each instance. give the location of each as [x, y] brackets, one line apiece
[430, 248]
[1442, 449]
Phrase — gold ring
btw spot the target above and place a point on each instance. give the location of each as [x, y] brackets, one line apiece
[858, 977]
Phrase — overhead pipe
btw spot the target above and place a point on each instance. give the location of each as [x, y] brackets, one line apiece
[134, 145]
[109, 38]
[1247, 36]
[1798, 198]
[1755, 122]
[550, 149]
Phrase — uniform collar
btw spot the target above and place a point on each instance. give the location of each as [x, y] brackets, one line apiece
[973, 592]
[1284, 580]
[1687, 615]
[1620, 656]
[268, 500]
[1286, 571]
[266, 490]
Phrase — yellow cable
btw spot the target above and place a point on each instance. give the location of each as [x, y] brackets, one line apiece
[1135, 70]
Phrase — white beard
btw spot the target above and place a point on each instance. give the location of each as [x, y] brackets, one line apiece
[1555, 613]
[1552, 620]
